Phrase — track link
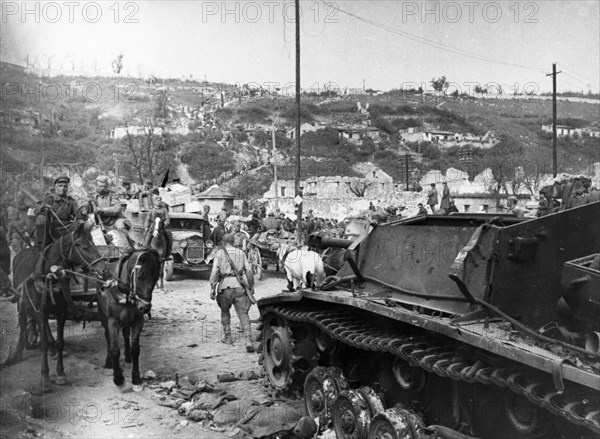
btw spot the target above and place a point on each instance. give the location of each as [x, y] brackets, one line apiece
[430, 354]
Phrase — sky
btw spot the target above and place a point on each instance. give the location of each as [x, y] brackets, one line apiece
[386, 44]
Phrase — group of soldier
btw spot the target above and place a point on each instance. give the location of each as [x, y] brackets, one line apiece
[58, 210]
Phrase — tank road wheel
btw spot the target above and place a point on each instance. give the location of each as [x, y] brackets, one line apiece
[525, 418]
[373, 399]
[407, 376]
[502, 413]
[289, 351]
[395, 423]
[321, 387]
[277, 350]
[351, 415]
[326, 344]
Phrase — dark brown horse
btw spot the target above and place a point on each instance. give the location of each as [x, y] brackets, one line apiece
[137, 275]
[43, 292]
[162, 243]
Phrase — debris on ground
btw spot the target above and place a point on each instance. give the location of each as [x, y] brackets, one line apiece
[244, 375]
[219, 410]
[149, 375]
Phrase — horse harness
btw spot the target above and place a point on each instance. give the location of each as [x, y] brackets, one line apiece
[287, 252]
[131, 287]
[48, 279]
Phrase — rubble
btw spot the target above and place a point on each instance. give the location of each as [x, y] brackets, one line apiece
[220, 410]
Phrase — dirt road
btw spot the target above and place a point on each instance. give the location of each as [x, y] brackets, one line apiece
[183, 338]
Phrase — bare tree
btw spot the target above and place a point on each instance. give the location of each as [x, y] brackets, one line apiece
[533, 171]
[503, 159]
[117, 64]
[151, 151]
[136, 155]
[359, 186]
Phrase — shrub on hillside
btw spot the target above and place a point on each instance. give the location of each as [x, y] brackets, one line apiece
[383, 110]
[401, 124]
[207, 161]
[224, 113]
[253, 115]
[305, 115]
[385, 125]
[252, 185]
[323, 142]
[339, 107]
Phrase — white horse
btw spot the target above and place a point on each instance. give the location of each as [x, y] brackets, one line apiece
[302, 267]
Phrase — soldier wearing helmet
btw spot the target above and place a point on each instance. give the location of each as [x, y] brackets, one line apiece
[107, 206]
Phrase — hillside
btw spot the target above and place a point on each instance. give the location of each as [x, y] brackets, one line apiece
[222, 133]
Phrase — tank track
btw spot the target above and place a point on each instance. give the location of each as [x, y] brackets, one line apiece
[430, 354]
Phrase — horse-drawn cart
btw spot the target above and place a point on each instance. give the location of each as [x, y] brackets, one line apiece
[82, 288]
[267, 244]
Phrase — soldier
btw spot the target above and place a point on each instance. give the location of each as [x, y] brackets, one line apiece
[6, 289]
[108, 207]
[161, 211]
[218, 232]
[422, 210]
[270, 222]
[57, 213]
[451, 208]
[445, 204]
[19, 228]
[240, 237]
[205, 212]
[543, 206]
[229, 291]
[432, 197]
[513, 206]
[286, 223]
[146, 194]
[129, 191]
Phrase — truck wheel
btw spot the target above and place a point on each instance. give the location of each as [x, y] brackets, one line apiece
[168, 271]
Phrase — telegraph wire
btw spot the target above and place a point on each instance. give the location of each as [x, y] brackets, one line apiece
[435, 44]
[577, 76]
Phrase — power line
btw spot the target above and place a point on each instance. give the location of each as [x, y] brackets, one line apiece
[554, 159]
[436, 44]
[578, 76]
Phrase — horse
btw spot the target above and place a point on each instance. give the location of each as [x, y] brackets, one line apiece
[137, 274]
[161, 243]
[44, 292]
[301, 267]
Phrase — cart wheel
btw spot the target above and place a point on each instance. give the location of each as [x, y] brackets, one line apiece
[168, 271]
[256, 261]
[32, 334]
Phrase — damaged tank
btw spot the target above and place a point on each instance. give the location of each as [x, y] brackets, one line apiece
[455, 326]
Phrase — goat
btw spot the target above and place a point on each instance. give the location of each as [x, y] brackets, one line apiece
[301, 267]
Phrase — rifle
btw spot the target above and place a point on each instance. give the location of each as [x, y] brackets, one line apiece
[241, 279]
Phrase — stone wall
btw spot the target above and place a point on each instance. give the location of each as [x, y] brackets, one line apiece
[341, 207]
[332, 187]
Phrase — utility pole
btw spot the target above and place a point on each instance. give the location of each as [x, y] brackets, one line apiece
[554, 159]
[298, 194]
[275, 162]
[116, 168]
[406, 163]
